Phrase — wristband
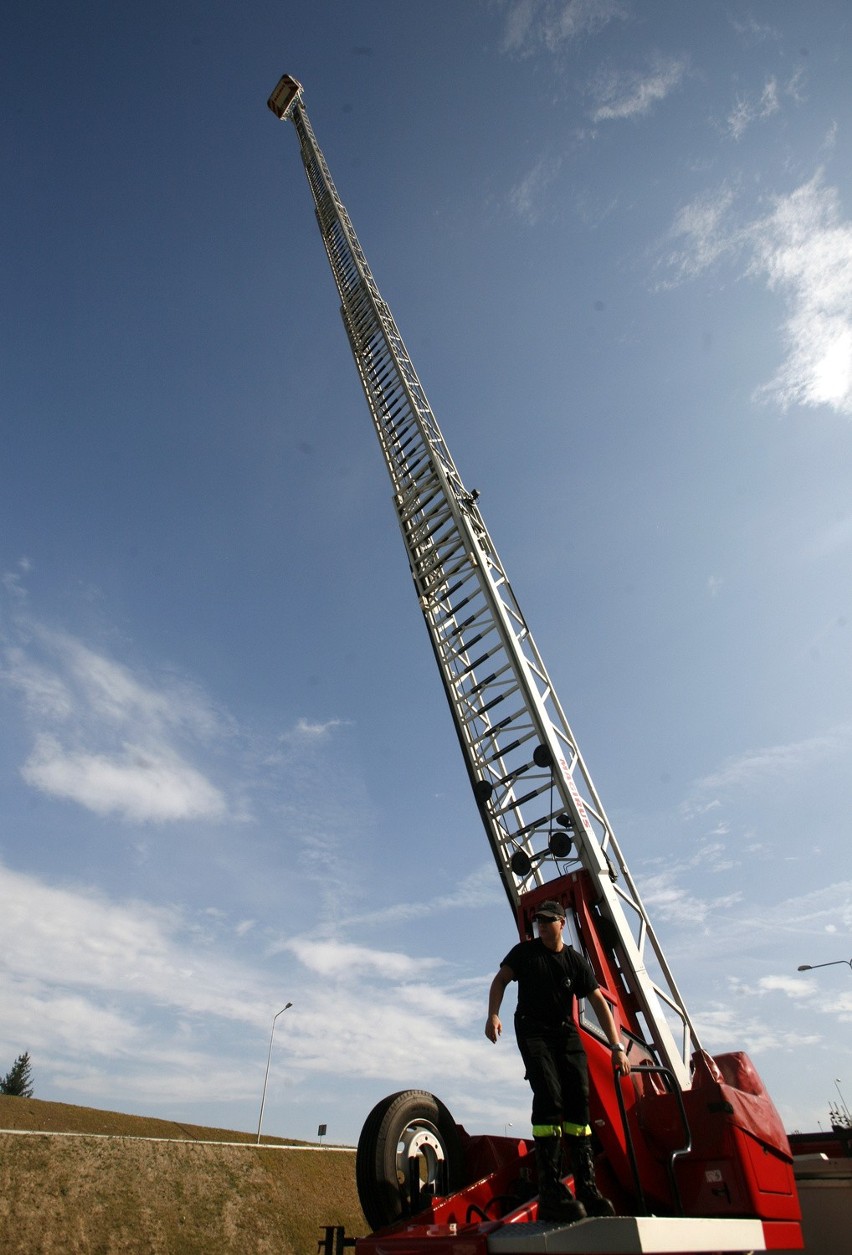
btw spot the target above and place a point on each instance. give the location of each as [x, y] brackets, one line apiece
[617, 1046]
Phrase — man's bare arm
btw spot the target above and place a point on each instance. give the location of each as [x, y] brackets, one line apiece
[607, 1023]
[493, 1027]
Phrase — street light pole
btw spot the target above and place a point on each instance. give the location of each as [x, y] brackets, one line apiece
[268, 1061]
[809, 967]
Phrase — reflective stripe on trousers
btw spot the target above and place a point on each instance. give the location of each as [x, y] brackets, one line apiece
[556, 1130]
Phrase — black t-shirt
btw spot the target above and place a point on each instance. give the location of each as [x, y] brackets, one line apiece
[548, 982]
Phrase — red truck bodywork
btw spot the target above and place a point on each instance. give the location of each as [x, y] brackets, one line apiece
[715, 1150]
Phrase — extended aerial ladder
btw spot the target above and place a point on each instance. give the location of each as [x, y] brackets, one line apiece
[545, 824]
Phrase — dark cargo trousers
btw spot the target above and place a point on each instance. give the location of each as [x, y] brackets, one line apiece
[558, 1074]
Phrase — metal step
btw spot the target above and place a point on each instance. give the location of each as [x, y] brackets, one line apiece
[626, 1235]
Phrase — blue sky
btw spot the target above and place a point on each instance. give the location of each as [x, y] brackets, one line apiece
[617, 238]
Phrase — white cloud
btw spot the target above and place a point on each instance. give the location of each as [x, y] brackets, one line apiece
[381, 1034]
[527, 196]
[72, 938]
[829, 143]
[478, 888]
[794, 88]
[831, 540]
[701, 234]
[792, 986]
[669, 891]
[726, 1027]
[103, 737]
[127, 1001]
[550, 24]
[804, 251]
[137, 783]
[520, 16]
[795, 925]
[748, 109]
[667, 898]
[324, 957]
[809, 993]
[753, 31]
[440, 1002]
[307, 732]
[44, 693]
[792, 761]
[631, 95]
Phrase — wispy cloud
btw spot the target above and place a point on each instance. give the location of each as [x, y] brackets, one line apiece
[527, 197]
[105, 738]
[791, 761]
[119, 997]
[311, 732]
[136, 783]
[804, 989]
[831, 540]
[323, 957]
[669, 900]
[757, 106]
[723, 1026]
[752, 31]
[549, 24]
[801, 249]
[74, 939]
[478, 888]
[730, 926]
[792, 986]
[748, 109]
[699, 236]
[665, 889]
[631, 94]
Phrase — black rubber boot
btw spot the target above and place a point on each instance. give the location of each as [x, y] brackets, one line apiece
[556, 1203]
[585, 1186]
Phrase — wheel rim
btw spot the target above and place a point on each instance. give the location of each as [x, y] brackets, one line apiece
[420, 1140]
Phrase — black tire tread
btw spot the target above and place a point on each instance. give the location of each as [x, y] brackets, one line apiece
[382, 1200]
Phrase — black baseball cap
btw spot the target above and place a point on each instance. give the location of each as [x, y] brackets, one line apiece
[551, 909]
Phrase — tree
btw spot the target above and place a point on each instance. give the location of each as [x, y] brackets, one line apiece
[17, 1081]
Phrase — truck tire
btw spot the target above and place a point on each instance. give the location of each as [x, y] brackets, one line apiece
[409, 1123]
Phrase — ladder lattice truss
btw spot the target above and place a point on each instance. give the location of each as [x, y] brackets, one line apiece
[530, 782]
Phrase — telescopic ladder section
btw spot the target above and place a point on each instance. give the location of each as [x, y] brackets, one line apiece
[535, 796]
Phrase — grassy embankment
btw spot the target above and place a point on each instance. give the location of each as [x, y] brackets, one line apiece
[115, 1190]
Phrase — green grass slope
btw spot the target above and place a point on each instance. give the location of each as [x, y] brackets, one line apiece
[113, 1189]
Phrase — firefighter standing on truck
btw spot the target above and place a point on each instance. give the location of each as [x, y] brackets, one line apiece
[550, 974]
